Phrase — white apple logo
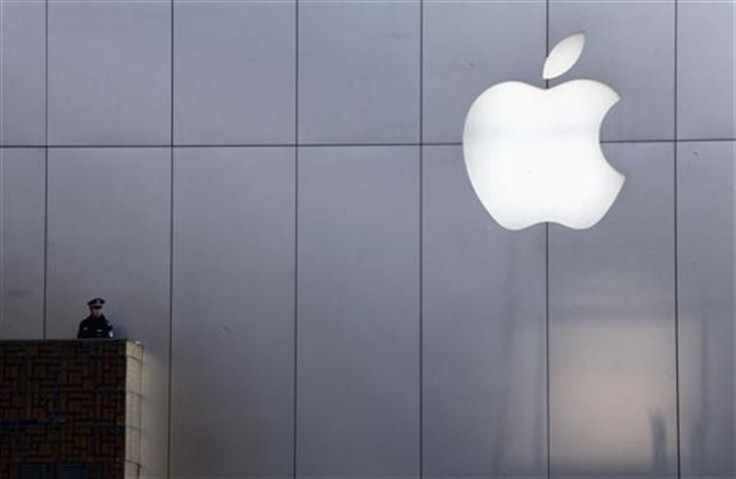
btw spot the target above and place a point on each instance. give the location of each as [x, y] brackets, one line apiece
[534, 155]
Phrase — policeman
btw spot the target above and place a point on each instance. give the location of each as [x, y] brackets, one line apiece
[95, 325]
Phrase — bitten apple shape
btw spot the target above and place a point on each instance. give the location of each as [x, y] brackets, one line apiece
[533, 155]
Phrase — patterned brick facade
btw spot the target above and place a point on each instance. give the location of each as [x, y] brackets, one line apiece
[69, 409]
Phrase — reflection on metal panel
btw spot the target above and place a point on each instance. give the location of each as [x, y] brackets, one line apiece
[612, 329]
[705, 224]
[233, 331]
[484, 334]
[358, 312]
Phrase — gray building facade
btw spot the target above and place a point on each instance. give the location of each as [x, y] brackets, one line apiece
[272, 198]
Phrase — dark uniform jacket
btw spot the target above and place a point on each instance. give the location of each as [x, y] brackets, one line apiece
[92, 327]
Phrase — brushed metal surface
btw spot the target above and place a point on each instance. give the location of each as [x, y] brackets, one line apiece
[109, 73]
[358, 312]
[612, 329]
[22, 73]
[22, 210]
[234, 68]
[233, 331]
[485, 394]
[630, 47]
[469, 47]
[359, 72]
[109, 235]
[705, 238]
[706, 70]
[612, 339]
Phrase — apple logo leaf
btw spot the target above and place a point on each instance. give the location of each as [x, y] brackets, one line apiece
[564, 55]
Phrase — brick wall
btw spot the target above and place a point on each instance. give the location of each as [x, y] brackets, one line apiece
[69, 408]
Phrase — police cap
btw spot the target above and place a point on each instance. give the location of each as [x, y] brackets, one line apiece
[95, 302]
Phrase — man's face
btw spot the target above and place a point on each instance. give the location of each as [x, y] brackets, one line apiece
[96, 311]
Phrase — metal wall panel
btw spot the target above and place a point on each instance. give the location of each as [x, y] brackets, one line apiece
[358, 312]
[612, 329]
[359, 72]
[109, 73]
[466, 50]
[630, 47]
[22, 72]
[233, 330]
[22, 211]
[235, 72]
[705, 228]
[706, 74]
[612, 302]
[109, 235]
[485, 395]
